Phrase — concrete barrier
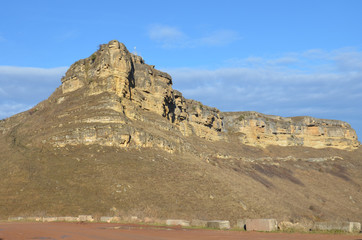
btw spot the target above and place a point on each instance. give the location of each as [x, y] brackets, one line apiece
[340, 226]
[15, 218]
[289, 226]
[68, 219]
[355, 227]
[37, 219]
[265, 225]
[176, 222]
[106, 219]
[218, 224]
[86, 218]
[240, 223]
[198, 223]
[50, 219]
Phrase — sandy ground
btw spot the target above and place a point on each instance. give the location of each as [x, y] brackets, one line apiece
[104, 231]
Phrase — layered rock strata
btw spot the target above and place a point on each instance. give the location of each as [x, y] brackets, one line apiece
[259, 129]
[113, 98]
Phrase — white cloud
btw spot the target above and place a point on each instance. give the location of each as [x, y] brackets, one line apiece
[348, 61]
[218, 38]
[33, 73]
[167, 36]
[2, 92]
[172, 37]
[165, 33]
[67, 35]
[283, 60]
[10, 108]
[318, 83]
[23, 87]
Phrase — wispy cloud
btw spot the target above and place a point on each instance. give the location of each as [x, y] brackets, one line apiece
[173, 37]
[32, 74]
[10, 108]
[66, 35]
[318, 83]
[219, 38]
[23, 87]
[163, 33]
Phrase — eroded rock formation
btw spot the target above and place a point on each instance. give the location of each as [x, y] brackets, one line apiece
[113, 98]
[260, 129]
[115, 138]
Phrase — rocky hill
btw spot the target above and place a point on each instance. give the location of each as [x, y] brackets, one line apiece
[116, 138]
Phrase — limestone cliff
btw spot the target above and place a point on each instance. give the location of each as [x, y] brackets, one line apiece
[132, 88]
[259, 129]
[113, 98]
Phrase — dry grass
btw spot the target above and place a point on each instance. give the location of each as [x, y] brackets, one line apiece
[193, 184]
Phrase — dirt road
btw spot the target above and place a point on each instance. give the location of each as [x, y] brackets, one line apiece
[104, 231]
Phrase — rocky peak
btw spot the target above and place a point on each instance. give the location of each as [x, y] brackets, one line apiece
[114, 69]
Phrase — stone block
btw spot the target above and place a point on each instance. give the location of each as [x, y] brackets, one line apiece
[218, 224]
[241, 223]
[265, 225]
[355, 227]
[71, 219]
[50, 219]
[68, 219]
[148, 220]
[37, 219]
[177, 222]
[117, 219]
[86, 218]
[341, 226]
[198, 223]
[289, 226]
[15, 218]
[106, 219]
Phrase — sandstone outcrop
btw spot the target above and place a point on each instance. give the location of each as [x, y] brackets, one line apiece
[259, 129]
[113, 98]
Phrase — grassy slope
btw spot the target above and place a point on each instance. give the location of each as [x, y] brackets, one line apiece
[106, 181]
[210, 181]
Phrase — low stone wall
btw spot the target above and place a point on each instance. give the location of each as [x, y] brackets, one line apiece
[289, 226]
[265, 225]
[177, 222]
[50, 219]
[198, 223]
[86, 218]
[106, 219]
[80, 218]
[68, 219]
[218, 224]
[339, 226]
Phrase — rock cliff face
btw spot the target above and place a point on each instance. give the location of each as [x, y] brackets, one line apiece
[135, 87]
[113, 98]
[259, 129]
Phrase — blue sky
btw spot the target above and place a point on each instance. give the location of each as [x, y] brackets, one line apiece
[287, 58]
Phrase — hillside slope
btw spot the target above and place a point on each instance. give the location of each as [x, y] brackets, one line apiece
[116, 139]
